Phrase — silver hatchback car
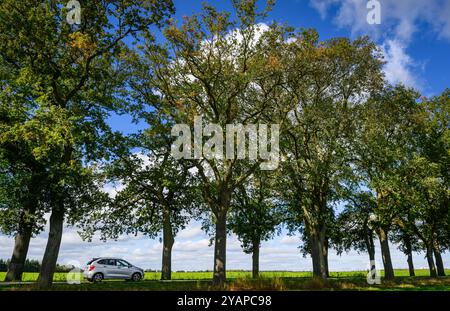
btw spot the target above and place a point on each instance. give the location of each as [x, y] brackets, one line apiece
[112, 268]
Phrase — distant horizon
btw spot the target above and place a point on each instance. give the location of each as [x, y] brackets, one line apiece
[192, 253]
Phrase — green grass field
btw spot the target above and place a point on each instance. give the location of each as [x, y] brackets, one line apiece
[197, 275]
[241, 280]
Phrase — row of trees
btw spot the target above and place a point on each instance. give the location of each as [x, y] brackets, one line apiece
[31, 266]
[347, 138]
[59, 82]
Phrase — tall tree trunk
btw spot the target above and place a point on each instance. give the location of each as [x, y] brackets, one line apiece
[255, 258]
[21, 244]
[50, 258]
[386, 254]
[370, 245]
[430, 260]
[220, 248]
[325, 256]
[439, 261]
[411, 265]
[168, 241]
[317, 233]
[408, 248]
[24, 233]
[17, 263]
[317, 238]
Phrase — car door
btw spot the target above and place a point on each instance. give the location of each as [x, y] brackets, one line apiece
[104, 267]
[111, 268]
[123, 269]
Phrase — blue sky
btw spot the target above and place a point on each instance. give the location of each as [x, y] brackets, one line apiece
[415, 38]
[415, 34]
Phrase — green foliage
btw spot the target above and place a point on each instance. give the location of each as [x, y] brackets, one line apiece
[214, 66]
[153, 186]
[346, 135]
[255, 215]
[328, 82]
[401, 155]
[355, 225]
[58, 85]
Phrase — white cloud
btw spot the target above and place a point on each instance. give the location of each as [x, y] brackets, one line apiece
[443, 21]
[146, 160]
[113, 189]
[399, 67]
[399, 19]
[71, 238]
[400, 22]
[190, 232]
[322, 6]
[191, 246]
[290, 240]
[138, 253]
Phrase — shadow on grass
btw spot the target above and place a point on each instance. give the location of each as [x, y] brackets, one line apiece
[249, 284]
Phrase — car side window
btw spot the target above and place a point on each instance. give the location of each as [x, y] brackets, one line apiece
[91, 261]
[111, 262]
[121, 263]
[102, 262]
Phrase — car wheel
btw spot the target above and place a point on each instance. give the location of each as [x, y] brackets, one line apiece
[136, 277]
[98, 277]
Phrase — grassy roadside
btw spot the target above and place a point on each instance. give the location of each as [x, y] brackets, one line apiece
[240, 280]
[232, 274]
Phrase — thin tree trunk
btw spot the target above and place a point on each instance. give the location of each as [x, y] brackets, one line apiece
[317, 230]
[318, 258]
[370, 247]
[17, 263]
[371, 250]
[168, 241]
[24, 233]
[411, 265]
[325, 256]
[430, 260]
[21, 244]
[439, 261]
[408, 247]
[255, 258]
[386, 254]
[50, 258]
[220, 249]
